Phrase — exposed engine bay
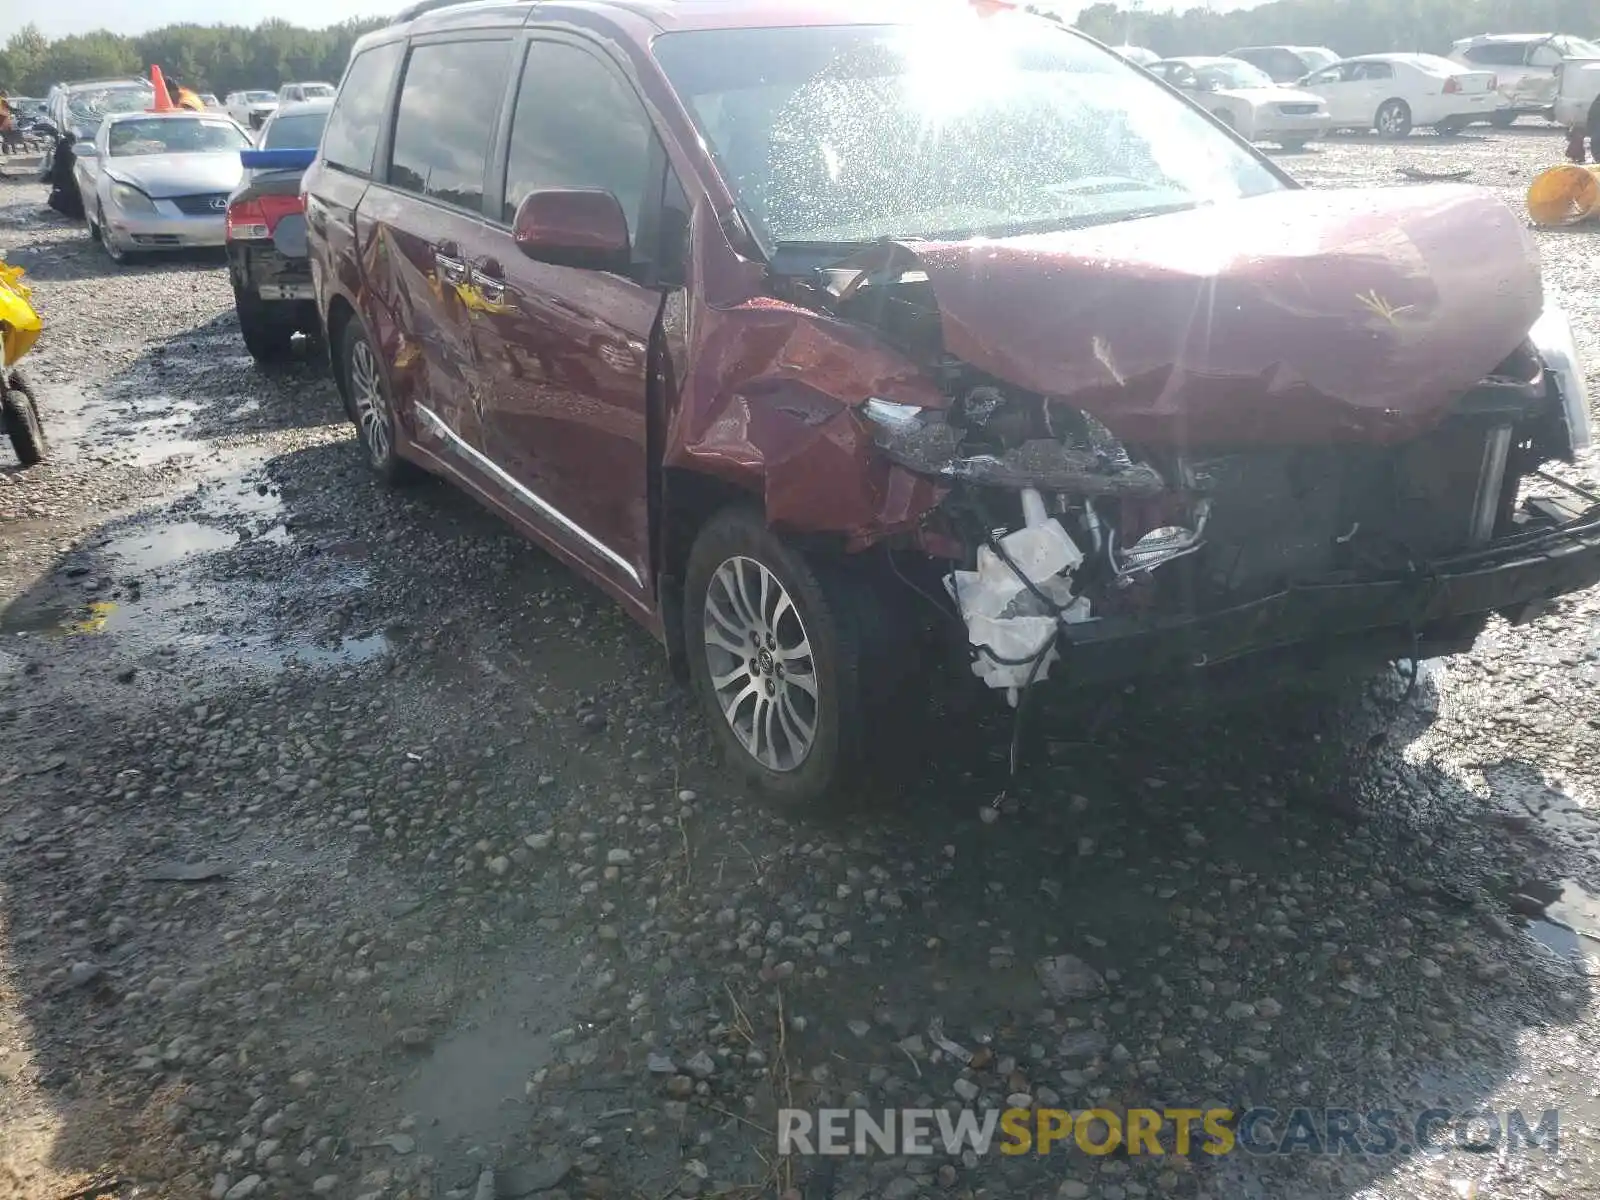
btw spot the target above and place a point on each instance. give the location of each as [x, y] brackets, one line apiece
[1069, 530]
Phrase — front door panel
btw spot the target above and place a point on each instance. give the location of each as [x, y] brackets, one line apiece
[566, 364]
[418, 271]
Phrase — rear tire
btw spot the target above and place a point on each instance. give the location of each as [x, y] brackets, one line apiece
[1393, 119]
[1504, 120]
[1594, 130]
[1449, 129]
[266, 334]
[20, 413]
[1295, 145]
[775, 648]
[371, 406]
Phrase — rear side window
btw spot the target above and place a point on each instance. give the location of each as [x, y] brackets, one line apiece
[351, 140]
[300, 132]
[577, 124]
[1283, 64]
[1497, 54]
[445, 119]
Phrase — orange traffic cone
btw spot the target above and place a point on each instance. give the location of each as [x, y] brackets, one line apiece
[163, 97]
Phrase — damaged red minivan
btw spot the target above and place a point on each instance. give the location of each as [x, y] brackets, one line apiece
[789, 321]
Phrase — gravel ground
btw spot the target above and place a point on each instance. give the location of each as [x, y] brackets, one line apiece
[351, 847]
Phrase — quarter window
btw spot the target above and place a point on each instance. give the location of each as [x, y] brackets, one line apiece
[1497, 54]
[577, 124]
[351, 140]
[1544, 55]
[445, 119]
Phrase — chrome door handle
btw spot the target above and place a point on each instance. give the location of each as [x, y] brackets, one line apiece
[453, 270]
[490, 287]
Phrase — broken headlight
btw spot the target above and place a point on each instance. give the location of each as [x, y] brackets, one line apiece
[1551, 335]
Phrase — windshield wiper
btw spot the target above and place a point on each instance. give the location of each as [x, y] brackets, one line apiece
[1087, 220]
[1104, 185]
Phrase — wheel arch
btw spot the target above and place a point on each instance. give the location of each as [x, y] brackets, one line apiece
[340, 313]
[688, 500]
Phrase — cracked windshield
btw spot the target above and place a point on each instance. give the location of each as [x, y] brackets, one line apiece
[796, 601]
[942, 130]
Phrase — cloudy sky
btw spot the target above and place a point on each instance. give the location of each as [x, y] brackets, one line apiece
[79, 16]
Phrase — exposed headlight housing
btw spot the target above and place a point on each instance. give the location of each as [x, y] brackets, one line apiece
[1551, 336]
[130, 199]
[891, 415]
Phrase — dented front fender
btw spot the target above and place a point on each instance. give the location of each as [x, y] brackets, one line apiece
[771, 407]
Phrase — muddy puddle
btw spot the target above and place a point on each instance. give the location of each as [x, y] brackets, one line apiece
[1570, 924]
[226, 513]
[189, 590]
[175, 624]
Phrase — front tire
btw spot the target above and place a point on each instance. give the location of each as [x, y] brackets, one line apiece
[1393, 119]
[371, 406]
[1594, 130]
[774, 643]
[108, 239]
[19, 411]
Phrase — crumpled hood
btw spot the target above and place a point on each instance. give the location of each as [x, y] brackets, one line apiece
[1294, 317]
[162, 175]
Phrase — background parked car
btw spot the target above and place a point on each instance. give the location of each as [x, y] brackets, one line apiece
[1394, 92]
[160, 181]
[266, 231]
[250, 108]
[1285, 64]
[29, 127]
[1242, 96]
[1577, 103]
[75, 112]
[298, 93]
[1524, 65]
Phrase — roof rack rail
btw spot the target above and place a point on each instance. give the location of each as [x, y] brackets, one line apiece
[415, 9]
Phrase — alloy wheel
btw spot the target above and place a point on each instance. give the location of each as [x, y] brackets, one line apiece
[1392, 120]
[762, 669]
[372, 410]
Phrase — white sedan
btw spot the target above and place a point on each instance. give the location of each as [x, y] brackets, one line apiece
[1243, 96]
[159, 180]
[1393, 93]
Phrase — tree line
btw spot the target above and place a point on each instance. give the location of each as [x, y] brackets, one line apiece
[1348, 27]
[226, 58]
[208, 58]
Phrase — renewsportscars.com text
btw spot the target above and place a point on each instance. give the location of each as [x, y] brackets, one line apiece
[1152, 1131]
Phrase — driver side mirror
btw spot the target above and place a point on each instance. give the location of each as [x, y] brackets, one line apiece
[573, 227]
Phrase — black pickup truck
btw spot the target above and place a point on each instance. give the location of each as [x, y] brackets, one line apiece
[266, 225]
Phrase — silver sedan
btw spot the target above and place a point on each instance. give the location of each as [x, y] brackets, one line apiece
[159, 181]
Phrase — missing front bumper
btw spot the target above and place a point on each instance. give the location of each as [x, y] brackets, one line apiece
[1506, 577]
